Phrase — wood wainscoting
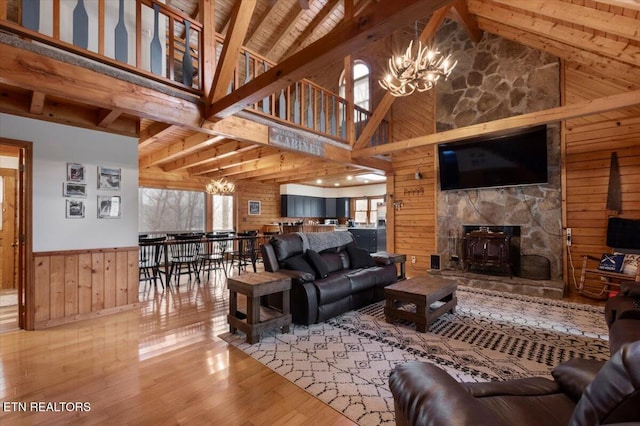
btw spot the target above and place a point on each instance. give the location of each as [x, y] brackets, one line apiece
[82, 284]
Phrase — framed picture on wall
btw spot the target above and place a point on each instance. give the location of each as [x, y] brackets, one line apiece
[108, 207]
[75, 209]
[109, 178]
[75, 172]
[73, 189]
[254, 208]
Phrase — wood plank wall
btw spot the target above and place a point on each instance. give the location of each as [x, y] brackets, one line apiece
[83, 284]
[589, 142]
[415, 222]
[269, 197]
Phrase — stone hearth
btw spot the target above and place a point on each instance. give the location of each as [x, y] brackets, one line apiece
[553, 289]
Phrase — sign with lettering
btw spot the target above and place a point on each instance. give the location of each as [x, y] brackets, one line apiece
[296, 141]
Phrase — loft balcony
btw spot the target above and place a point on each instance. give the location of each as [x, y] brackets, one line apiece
[165, 47]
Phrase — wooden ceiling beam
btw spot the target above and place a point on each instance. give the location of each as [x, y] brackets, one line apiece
[324, 172]
[239, 23]
[284, 32]
[566, 112]
[388, 99]
[152, 133]
[461, 15]
[581, 40]
[595, 19]
[29, 70]
[179, 149]
[267, 17]
[376, 22]
[253, 152]
[626, 4]
[37, 103]
[596, 62]
[309, 29]
[273, 163]
[69, 114]
[106, 117]
[223, 148]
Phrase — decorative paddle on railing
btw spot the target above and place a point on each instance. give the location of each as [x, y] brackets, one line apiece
[322, 114]
[80, 25]
[31, 14]
[310, 109]
[333, 121]
[266, 102]
[247, 77]
[121, 36]
[187, 62]
[282, 106]
[156, 48]
[296, 105]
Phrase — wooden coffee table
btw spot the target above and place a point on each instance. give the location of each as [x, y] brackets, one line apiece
[431, 296]
[258, 318]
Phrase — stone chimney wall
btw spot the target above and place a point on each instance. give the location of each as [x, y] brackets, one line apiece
[496, 79]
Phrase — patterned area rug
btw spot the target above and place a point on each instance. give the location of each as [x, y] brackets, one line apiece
[346, 361]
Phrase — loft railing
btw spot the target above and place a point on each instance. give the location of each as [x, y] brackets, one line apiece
[160, 43]
[303, 104]
[142, 36]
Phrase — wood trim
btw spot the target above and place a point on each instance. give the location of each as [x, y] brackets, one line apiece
[73, 285]
[552, 115]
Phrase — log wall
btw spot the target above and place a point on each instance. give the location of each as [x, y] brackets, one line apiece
[83, 284]
[589, 142]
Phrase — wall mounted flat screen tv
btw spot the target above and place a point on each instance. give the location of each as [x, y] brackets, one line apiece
[515, 159]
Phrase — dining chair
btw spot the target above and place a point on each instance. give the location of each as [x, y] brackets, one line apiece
[184, 256]
[246, 251]
[149, 259]
[211, 256]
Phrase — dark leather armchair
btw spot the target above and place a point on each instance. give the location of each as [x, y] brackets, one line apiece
[627, 300]
[583, 392]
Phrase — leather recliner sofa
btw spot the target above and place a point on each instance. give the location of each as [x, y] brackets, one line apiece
[583, 392]
[330, 275]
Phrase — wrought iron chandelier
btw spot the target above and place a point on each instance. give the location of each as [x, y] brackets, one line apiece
[220, 187]
[416, 72]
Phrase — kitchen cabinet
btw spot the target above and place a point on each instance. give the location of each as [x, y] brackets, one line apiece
[330, 207]
[342, 207]
[366, 238]
[302, 206]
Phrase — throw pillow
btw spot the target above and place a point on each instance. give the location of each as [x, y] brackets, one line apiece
[359, 258]
[630, 264]
[318, 263]
[297, 263]
[611, 262]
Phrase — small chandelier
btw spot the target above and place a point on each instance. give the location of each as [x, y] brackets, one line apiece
[408, 73]
[220, 187]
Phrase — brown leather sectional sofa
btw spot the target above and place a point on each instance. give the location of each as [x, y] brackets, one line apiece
[583, 392]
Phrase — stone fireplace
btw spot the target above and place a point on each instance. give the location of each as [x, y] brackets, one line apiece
[494, 79]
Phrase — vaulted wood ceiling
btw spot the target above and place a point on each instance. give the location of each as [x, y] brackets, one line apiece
[600, 35]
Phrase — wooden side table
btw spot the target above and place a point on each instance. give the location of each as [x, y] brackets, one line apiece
[396, 259]
[423, 292]
[259, 319]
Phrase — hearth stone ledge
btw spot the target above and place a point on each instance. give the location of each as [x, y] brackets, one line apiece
[541, 288]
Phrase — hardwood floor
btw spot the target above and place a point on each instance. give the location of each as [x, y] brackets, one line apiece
[162, 364]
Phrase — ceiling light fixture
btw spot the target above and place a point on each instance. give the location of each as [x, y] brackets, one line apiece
[418, 69]
[220, 187]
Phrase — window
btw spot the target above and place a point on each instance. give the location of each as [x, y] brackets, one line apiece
[360, 85]
[366, 209]
[222, 212]
[167, 210]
